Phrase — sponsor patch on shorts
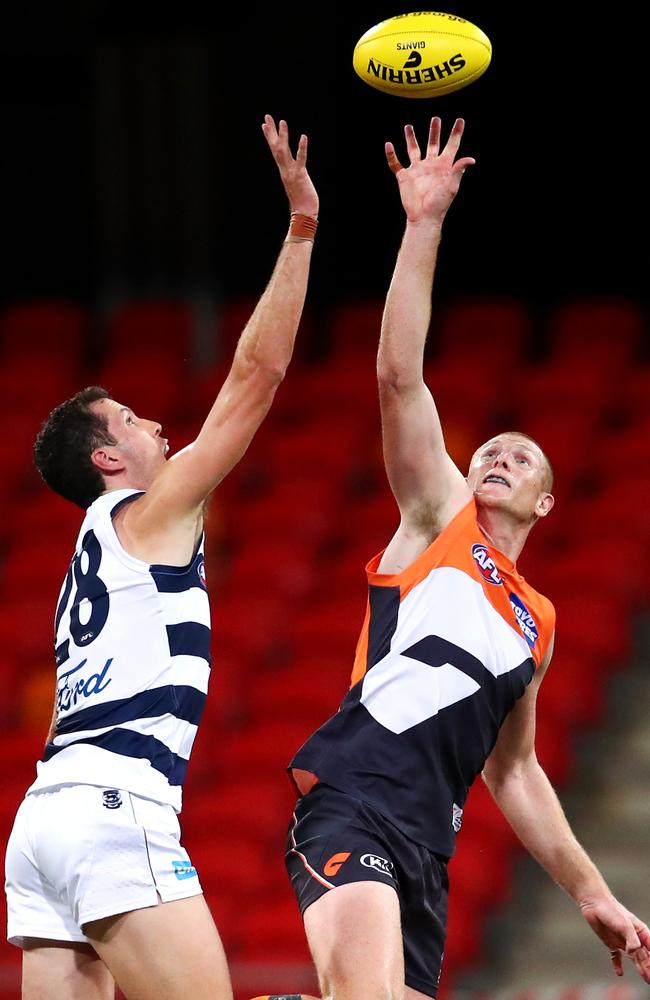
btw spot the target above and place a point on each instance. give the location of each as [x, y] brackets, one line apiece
[184, 869]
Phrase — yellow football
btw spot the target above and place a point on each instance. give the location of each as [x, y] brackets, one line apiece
[424, 54]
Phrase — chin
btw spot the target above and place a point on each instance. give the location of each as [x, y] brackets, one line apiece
[492, 501]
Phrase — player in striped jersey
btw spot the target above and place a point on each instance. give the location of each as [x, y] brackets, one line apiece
[99, 888]
[447, 668]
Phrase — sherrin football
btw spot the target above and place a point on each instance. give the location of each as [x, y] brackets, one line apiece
[424, 54]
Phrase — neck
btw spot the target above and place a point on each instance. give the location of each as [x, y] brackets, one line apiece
[503, 532]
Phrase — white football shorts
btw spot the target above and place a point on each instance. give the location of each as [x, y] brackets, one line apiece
[80, 852]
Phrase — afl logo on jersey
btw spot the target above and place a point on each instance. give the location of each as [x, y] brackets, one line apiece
[525, 620]
[486, 565]
[201, 572]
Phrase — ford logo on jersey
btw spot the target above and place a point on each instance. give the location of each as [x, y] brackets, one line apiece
[525, 620]
[485, 563]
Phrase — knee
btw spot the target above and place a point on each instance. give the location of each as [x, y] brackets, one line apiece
[352, 985]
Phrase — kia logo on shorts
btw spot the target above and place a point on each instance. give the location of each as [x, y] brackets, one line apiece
[380, 864]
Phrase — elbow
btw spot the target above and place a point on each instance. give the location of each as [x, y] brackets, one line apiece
[392, 381]
[272, 372]
[265, 371]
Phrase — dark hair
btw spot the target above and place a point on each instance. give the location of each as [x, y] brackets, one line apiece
[65, 443]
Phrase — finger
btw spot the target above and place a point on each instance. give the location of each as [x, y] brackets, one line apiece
[642, 930]
[301, 155]
[453, 142]
[391, 157]
[460, 166]
[617, 962]
[641, 959]
[269, 129]
[433, 145]
[412, 147]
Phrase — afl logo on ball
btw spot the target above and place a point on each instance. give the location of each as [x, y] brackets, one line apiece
[486, 565]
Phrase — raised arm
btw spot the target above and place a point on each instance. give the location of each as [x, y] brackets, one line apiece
[528, 801]
[175, 500]
[428, 487]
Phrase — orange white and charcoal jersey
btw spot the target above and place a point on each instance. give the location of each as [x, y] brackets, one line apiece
[446, 649]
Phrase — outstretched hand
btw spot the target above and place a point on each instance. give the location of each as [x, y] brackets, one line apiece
[622, 933]
[429, 185]
[297, 183]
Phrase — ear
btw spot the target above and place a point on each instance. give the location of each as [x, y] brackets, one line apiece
[107, 460]
[544, 505]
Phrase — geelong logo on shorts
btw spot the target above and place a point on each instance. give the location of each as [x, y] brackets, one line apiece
[379, 864]
[485, 564]
[112, 799]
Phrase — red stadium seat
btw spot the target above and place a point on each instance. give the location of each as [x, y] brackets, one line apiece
[272, 931]
[265, 749]
[604, 332]
[481, 871]
[235, 807]
[311, 690]
[151, 328]
[154, 385]
[45, 330]
[31, 387]
[354, 329]
[489, 335]
[286, 565]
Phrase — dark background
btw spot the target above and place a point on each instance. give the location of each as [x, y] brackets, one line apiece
[134, 161]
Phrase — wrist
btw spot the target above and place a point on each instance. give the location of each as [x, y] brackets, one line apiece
[302, 228]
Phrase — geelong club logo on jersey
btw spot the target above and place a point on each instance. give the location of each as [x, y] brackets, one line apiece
[525, 620]
[112, 798]
[485, 563]
[379, 864]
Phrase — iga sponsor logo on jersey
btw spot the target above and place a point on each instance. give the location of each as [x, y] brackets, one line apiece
[486, 564]
[380, 864]
[525, 620]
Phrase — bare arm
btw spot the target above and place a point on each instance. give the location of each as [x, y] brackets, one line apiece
[428, 487]
[175, 500]
[527, 799]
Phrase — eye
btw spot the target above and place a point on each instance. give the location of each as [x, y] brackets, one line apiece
[523, 460]
[130, 420]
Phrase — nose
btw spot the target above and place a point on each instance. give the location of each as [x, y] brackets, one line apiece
[156, 428]
[501, 459]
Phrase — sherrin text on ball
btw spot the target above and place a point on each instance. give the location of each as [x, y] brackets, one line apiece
[422, 54]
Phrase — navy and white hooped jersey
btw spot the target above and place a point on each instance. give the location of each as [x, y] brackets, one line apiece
[132, 644]
[446, 649]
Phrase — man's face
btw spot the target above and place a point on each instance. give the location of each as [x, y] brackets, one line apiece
[140, 448]
[510, 473]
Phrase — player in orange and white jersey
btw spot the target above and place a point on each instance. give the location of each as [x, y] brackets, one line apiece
[448, 665]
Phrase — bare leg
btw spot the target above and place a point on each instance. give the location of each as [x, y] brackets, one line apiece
[172, 950]
[55, 969]
[354, 933]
